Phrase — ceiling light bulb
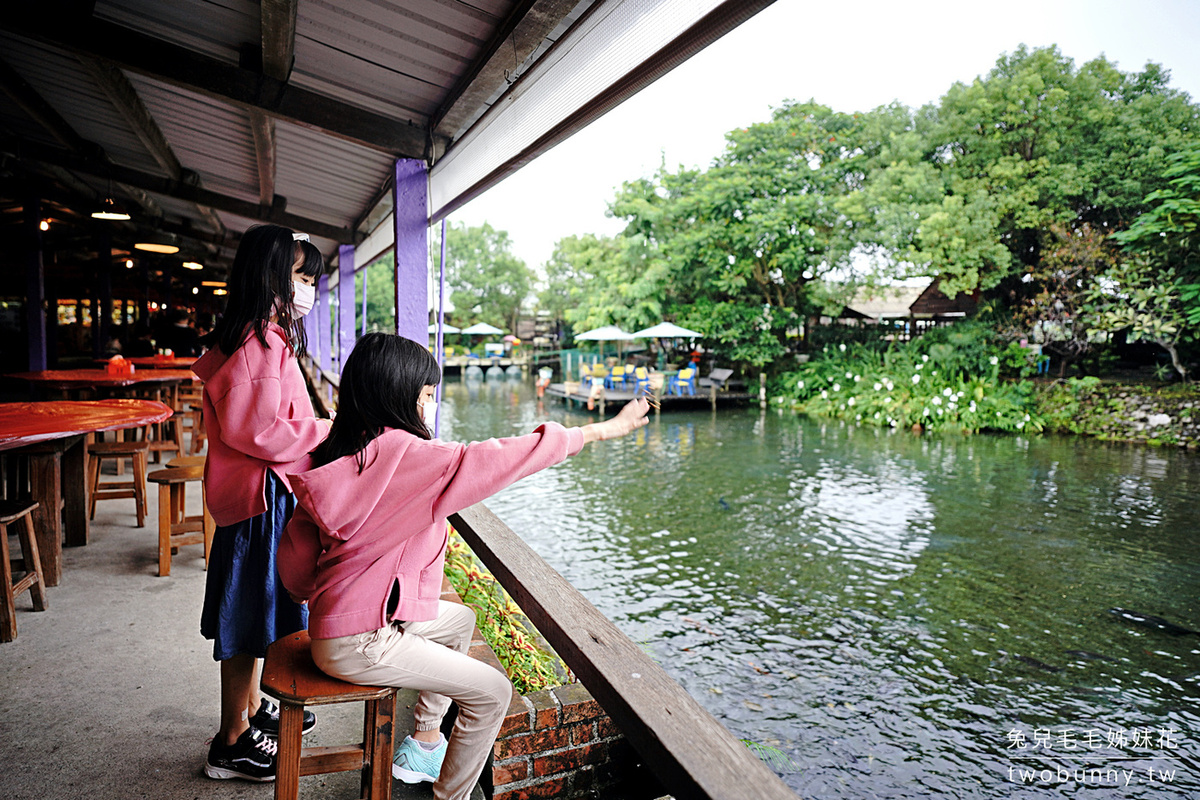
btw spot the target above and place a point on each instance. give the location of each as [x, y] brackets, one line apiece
[192, 265]
[129, 263]
[155, 247]
[110, 210]
[45, 225]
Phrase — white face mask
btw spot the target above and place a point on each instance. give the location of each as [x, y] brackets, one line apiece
[429, 414]
[303, 297]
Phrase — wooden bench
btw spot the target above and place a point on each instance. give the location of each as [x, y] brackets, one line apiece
[290, 676]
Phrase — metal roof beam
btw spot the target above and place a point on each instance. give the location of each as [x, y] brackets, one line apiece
[124, 97]
[211, 77]
[278, 35]
[181, 190]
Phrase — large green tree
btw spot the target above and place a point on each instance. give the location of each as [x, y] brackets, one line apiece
[487, 282]
[973, 192]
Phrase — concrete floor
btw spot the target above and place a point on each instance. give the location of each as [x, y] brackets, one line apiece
[112, 693]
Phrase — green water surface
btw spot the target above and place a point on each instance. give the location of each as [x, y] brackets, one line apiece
[891, 615]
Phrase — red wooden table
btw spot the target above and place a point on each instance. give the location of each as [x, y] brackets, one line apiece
[53, 436]
[158, 362]
[100, 379]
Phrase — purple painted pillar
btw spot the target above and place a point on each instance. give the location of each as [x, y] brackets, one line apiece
[35, 285]
[318, 324]
[346, 304]
[411, 196]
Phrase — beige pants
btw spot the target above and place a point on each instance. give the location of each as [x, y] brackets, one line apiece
[431, 657]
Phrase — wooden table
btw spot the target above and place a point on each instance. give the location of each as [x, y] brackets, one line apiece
[158, 362]
[100, 379]
[53, 436]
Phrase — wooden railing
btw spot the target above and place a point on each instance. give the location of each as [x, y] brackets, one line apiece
[688, 750]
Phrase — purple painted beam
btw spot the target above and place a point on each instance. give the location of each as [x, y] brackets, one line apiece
[411, 196]
[346, 305]
[318, 322]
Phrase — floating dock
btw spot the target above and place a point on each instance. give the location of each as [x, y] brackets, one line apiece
[619, 397]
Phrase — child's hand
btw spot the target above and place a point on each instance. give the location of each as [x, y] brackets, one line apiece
[629, 419]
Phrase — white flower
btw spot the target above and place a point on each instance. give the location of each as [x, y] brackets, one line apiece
[800, 385]
[1027, 418]
[858, 416]
[876, 415]
[947, 392]
[857, 378]
[993, 361]
[850, 401]
[887, 399]
[920, 365]
[937, 401]
[916, 379]
[1020, 424]
[824, 395]
[842, 347]
[939, 412]
[925, 412]
[878, 386]
[849, 374]
[837, 387]
[890, 386]
[972, 406]
[924, 359]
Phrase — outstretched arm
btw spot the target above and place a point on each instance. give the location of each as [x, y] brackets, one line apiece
[628, 420]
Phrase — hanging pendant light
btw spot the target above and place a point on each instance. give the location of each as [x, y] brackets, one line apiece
[110, 209]
[164, 243]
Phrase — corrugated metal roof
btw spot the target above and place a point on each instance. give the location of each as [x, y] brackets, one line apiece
[171, 103]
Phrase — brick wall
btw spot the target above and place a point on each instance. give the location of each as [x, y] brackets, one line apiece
[558, 743]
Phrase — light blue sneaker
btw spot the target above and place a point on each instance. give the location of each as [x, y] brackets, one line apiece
[414, 763]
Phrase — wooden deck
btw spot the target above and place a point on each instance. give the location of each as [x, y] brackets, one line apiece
[618, 397]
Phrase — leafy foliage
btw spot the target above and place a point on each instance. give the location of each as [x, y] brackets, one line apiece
[934, 384]
[501, 622]
[487, 282]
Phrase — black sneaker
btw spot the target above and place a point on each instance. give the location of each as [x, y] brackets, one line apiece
[251, 758]
[266, 719]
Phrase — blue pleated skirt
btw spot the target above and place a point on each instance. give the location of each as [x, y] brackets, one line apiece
[245, 605]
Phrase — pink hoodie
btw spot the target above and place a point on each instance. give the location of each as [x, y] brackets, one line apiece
[355, 537]
[258, 417]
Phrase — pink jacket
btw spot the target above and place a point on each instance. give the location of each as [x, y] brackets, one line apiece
[258, 417]
[355, 537]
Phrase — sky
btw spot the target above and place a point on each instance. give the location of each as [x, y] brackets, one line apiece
[850, 57]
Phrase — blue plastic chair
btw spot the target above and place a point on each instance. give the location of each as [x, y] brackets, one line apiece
[685, 379]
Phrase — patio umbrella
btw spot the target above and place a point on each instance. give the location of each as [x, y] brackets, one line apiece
[482, 329]
[609, 333]
[666, 330]
[448, 328]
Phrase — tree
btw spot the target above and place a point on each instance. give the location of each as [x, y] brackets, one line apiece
[1060, 313]
[1134, 294]
[380, 277]
[1169, 232]
[1035, 144]
[487, 282]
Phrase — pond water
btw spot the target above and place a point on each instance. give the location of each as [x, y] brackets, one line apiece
[888, 614]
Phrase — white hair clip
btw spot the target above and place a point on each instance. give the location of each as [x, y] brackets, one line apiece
[300, 237]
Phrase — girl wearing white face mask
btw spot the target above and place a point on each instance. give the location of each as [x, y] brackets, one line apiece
[261, 426]
[367, 545]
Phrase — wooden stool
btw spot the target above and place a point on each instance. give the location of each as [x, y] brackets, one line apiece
[199, 435]
[290, 676]
[175, 527]
[186, 461]
[112, 490]
[10, 512]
